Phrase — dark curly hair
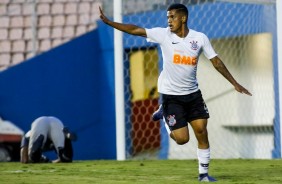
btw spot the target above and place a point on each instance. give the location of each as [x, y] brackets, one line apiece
[180, 8]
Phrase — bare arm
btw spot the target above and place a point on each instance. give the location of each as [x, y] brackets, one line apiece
[24, 155]
[221, 68]
[127, 28]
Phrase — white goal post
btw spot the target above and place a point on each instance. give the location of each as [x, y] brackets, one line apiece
[119, 91]
[279, 53]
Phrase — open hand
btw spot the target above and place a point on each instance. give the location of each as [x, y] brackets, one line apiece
[102, 16]
[241, 89]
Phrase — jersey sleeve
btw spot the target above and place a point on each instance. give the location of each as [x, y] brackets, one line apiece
[25, 139]
[24, 142]
[207, 48]
[155, 35]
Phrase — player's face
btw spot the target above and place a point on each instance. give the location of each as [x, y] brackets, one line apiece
[174, 21]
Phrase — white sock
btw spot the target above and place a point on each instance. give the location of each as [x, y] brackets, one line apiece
[204, 160]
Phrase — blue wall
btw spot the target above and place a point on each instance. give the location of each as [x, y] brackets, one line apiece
[73, 82]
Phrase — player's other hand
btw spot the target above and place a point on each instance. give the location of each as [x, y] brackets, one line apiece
[102, 16]
[241, 89]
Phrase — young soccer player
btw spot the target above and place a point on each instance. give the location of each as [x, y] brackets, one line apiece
[182, 99]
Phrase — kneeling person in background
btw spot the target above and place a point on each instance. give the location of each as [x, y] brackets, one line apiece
[47, 133]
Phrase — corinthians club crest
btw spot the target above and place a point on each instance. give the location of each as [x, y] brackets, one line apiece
[171, 120]
[194, 45]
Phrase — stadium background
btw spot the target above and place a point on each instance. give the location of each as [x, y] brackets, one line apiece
[57, 59]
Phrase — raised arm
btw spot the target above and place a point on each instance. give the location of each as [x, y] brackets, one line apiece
[221, 68]
[127, 28]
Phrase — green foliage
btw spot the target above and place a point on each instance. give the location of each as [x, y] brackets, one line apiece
[240, 171]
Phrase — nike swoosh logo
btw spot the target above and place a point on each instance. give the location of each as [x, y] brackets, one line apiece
[174, 42]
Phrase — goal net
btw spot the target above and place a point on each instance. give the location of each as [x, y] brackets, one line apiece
[240, 126]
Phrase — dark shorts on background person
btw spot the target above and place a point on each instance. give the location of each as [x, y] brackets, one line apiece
[180, 109]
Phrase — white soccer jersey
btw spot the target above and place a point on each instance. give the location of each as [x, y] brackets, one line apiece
[51, 128]
[180, 59]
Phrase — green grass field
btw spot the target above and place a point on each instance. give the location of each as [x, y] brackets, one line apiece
[238, 171]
